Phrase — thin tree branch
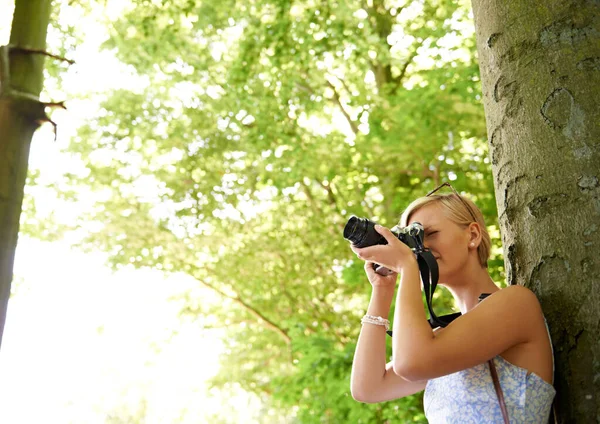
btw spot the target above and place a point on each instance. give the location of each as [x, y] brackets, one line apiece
[400, 77]
[60, 105]
[305, 88]
[42, 52]
[345, 86]
[336, 96]
[330, 195]
[337, 99]
[315, 207]
[309, 195]
[268, 323]
[222, 326]
[398, 80]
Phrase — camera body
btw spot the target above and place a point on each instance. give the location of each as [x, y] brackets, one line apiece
[361, 233]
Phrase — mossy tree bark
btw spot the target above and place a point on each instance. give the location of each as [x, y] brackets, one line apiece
[21, 81]
[540, 72]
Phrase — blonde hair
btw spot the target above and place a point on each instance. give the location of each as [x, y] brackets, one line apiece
[457, 212]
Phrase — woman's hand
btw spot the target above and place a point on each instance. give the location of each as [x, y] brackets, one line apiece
[378, 280]
[395, 255]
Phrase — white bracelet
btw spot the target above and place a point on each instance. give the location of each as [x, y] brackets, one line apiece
[371, 319]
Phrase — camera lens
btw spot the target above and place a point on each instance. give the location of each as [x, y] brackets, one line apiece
[361, 232]
[354, 229]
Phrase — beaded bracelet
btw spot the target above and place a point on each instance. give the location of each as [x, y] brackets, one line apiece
[371, 319]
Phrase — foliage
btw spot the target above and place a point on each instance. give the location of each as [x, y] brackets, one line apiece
[260, 128]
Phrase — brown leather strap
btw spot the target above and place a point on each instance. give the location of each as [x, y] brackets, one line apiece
[498, 391]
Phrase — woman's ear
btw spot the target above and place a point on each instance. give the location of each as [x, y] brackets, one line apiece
[474, 234]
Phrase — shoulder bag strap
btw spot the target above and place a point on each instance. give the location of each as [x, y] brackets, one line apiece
[498, 391]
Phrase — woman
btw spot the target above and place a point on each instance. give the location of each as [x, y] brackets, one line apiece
[451, 363]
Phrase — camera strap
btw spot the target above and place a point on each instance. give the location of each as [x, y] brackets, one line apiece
[428, 268]
[429, 275]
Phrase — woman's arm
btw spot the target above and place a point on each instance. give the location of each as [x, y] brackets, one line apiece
[507, 318]
[501, 321]
[372, 379]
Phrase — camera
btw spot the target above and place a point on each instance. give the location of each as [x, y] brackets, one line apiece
[361, 233]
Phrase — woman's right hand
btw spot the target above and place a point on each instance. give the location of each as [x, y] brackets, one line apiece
[377, 280]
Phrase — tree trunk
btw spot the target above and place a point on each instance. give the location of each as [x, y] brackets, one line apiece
[540, 72]
[21, 82]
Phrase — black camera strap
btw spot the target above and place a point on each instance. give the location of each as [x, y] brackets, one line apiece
[429, 275]
[428, 269]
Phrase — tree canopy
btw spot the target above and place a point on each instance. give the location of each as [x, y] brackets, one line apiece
[257, 129]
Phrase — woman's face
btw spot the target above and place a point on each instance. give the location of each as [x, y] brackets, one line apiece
[448, 242]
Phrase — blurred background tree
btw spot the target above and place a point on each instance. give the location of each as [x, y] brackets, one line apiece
[258, 128]
[21, 113]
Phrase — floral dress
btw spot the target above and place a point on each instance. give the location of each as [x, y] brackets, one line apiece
[468, 396]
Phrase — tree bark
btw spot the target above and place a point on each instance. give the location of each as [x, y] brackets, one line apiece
[20, 115]
[540, 73]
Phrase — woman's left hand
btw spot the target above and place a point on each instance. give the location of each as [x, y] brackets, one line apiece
[395, 255]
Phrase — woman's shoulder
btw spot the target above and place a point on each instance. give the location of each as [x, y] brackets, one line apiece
[517, 290]
[514, 304]
[513, 296]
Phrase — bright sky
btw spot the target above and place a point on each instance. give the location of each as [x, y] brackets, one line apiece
[82, 342]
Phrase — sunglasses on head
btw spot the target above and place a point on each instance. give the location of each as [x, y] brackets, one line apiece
[457, 194]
